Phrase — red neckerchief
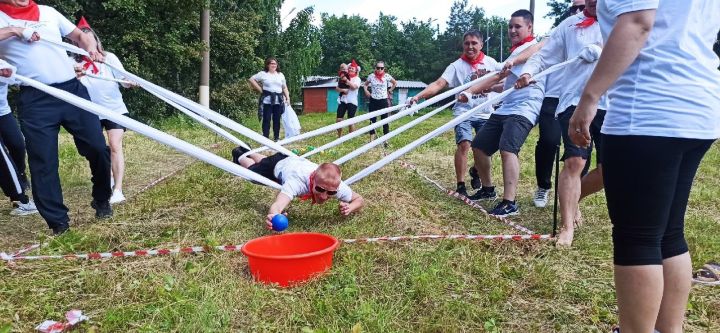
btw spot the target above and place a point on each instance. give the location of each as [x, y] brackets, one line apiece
[31, 12]
[527, 39]
[310, 195]
[379, 76]
[88, 64]
[474, 62]
[588, 21]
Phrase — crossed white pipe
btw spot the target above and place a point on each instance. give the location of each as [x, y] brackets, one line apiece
[404, 150]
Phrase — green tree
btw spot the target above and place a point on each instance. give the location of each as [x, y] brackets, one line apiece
[421, 56]
[301, 51]
[559, 10]
[344, 38]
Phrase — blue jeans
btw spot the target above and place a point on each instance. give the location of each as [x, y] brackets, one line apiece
[464, 130]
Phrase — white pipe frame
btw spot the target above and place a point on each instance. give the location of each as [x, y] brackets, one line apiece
[150, 132]
[411, 109]
[452, 123]
[378, 141]
[329, 128]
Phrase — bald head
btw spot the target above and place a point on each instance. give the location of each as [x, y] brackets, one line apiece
[328, 174]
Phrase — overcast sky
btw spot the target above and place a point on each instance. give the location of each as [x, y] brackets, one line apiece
[421, 9]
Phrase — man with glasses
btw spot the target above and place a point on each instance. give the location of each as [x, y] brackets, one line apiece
[300, 178]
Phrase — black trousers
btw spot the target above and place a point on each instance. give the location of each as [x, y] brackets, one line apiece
[12, 165]
[272, 112]
[41, 116]
[379, 104]
[549, 139]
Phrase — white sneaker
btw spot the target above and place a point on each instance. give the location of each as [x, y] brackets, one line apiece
[541, 197]
[24, 209]
[117, 197]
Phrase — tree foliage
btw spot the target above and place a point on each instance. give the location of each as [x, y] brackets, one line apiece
[559, 10]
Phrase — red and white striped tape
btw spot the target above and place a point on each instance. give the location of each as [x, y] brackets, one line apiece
[236, 248]
[465, 199]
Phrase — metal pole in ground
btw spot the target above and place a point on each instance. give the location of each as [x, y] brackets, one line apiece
[555, 204]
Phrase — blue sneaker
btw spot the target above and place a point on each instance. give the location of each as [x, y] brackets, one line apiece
[505, 208]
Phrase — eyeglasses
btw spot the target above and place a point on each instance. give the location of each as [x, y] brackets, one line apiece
[379, 68]
[578, 8]
[319, 189]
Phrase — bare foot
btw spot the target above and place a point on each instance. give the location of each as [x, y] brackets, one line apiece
[578, 222]
[565, 237]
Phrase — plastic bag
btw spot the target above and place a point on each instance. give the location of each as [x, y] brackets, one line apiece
[290, 122]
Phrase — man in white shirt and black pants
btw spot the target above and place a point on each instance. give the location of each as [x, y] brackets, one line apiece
[23, 23]
[571, 39]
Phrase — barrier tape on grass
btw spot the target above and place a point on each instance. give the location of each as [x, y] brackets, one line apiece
[465, 199]
[237, 247]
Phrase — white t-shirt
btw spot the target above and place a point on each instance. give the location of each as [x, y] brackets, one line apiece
[378, 89]
[294, 175]
[459, 72]
[39, 61]
[566, 42]
[525, 102]
[103, 92]
[554, 84]
[4, 106]
[270, 82]
[352, 94]
[672, 89]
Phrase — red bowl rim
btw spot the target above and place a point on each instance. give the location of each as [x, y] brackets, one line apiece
[330, 248]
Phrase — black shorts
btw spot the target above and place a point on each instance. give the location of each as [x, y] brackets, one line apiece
[503, 132]
[109, 125]
[647, 185]
[350, 108]
[266, 166]
[572, 150]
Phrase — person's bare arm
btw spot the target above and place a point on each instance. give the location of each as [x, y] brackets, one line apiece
[356, 202]
[365, 87]
[255, 85]
[86, 42]
[286, 92]
[481, 87]
[10, 32]
[281, 202]
[622, 47]
[431, 90]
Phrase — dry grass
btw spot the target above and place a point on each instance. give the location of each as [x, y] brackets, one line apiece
[436, 286]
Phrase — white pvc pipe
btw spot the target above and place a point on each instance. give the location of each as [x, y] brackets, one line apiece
[452, 123]
[358, 132]
[371, 144]
[185, 102]
[201, 120]
[329, 128]
[111, 79]
[150, 132]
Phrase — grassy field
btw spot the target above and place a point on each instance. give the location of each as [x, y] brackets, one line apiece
[424, 286]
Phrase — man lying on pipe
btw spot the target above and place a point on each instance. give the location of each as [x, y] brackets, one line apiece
[300, 178]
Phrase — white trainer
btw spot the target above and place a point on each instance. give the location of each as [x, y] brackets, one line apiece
[24, 209]
[117, 197]
[541, 197]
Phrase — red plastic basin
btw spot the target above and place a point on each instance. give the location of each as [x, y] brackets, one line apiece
[291, 258]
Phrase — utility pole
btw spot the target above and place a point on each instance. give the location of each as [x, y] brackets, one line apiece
[205, 66]
[532, 7]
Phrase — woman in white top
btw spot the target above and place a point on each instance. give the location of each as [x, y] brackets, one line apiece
[107, 93]
[381, 87]
[274, 95]
[663, 85]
